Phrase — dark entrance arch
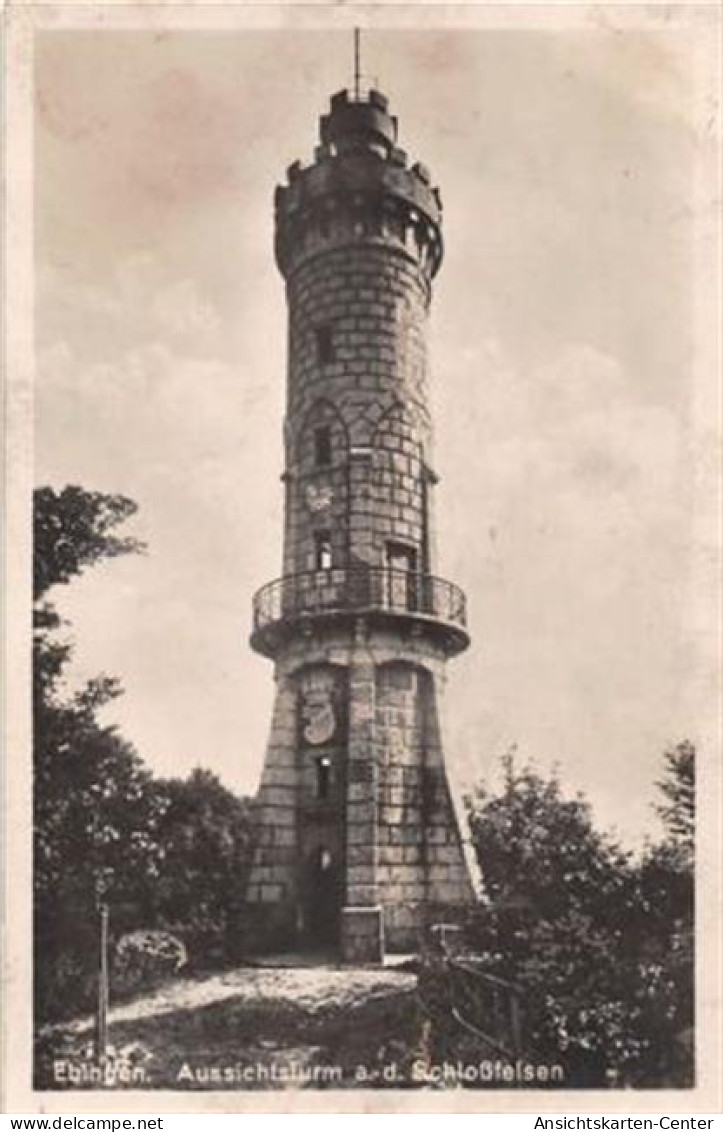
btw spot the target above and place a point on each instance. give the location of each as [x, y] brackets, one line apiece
[323, 898]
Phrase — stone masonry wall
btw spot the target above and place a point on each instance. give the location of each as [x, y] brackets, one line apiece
[270, 899]
[372, 390]
[374, 302]
[396, 488]
[317, 496]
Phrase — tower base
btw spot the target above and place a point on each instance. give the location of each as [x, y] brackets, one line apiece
[358, 846]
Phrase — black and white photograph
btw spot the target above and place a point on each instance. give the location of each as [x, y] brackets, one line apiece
[374, 746]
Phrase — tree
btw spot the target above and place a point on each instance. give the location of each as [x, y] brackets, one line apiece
[205, 833]
[559, 897]
[90, 787]
[73, 529]
[540, 853]
[678, 789]
[667, 896]
[162, 852]
[95, 816]
[667, 870]
[571, 922]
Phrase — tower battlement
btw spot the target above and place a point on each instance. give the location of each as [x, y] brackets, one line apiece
[359, 189]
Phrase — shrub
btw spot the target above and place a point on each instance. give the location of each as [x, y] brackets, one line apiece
[598, 941]
[143, 959]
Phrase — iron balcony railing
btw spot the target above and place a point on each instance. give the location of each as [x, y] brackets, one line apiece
[357, 588]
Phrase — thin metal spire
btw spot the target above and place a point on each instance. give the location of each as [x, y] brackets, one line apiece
[357, 63]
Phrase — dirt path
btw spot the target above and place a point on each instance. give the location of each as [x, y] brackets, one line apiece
[250, 1027]
[310, 989]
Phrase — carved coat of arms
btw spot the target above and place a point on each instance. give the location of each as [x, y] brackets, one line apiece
[319, 496]
[317, 712]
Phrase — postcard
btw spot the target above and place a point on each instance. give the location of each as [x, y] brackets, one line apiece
[362, 735]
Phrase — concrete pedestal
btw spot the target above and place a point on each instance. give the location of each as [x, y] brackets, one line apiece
[362, 935]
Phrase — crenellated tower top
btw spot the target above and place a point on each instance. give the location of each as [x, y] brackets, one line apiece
[359, 187]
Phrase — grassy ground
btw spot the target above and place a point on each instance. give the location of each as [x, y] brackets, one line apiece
[250, 1029]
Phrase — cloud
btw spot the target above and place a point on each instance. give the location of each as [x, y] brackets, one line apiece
[571, 487]
[153, 416]
[161, 414]
[184, 314]
[570, 432]
[184, 432]
[136, 305]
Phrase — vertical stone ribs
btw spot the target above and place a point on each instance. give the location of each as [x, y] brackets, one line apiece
[421, 864]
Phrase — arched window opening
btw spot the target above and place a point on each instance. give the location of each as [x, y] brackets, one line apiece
[402, 576]
[324, 344]
[322, 446]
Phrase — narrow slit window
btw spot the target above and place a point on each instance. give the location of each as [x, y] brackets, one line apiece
[322, 446]
[323, 777]
[322, 550]
[324, 344]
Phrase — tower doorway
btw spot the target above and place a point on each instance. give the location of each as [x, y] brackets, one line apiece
[401, 566]
[322, 898]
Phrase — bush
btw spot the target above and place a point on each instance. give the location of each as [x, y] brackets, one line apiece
[143, 959]
[598, 942]
[205, 834]
[66, 967]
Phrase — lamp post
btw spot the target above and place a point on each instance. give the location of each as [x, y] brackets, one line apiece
[101, 1043]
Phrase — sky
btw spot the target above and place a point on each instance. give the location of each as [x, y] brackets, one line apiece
[562, 356]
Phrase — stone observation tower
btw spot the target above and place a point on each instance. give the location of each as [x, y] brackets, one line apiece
[357, 842]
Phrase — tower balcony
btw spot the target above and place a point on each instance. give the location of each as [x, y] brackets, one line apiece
[305, 601]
